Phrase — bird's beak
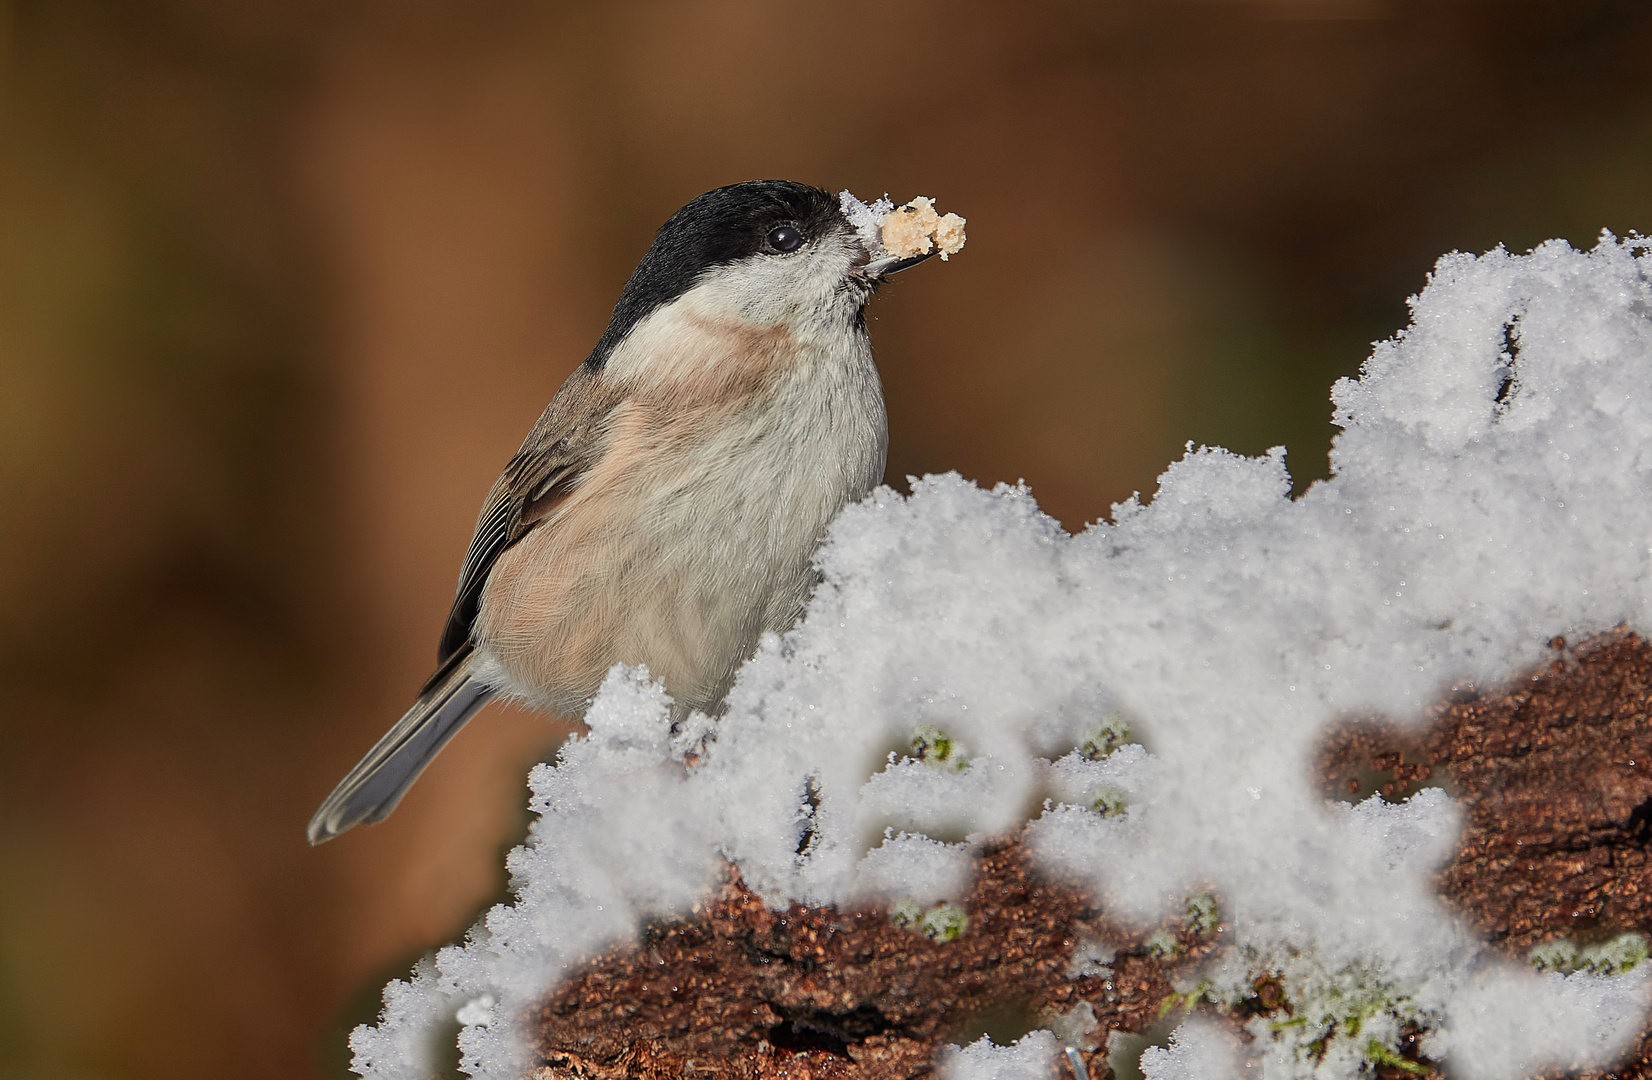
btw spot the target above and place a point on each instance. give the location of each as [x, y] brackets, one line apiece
[879, 268]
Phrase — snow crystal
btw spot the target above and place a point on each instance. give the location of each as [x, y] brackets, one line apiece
[867, 219]
[1503, 1025]
[914, 868]
[1198, 1050]
[1492, 488]
[1077, 1028]
[1032, 1058]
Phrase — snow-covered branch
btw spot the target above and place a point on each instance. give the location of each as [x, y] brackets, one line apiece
[1143, 704]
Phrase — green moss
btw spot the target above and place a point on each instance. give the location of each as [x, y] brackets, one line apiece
[1203, 916]
[1107, 801]
[1612, 957]
[1185, 1001]
[1559, 955]
[1106, 737]
[934, 747]
[906, 913]
[1309, 1015]
[1355, 1009]
[1378, 1054]
[945, 923]
[1162, 944]
[1622, 953]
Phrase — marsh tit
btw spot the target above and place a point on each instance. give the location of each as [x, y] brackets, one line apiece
[666, 507]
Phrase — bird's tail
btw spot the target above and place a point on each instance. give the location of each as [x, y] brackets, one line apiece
[379, 780]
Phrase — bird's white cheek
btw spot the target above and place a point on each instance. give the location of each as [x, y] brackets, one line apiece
[774, 289]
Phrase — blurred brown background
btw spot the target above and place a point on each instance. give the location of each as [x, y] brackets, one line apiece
[283, 284]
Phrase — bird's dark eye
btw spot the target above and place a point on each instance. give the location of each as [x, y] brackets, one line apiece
[785, 238]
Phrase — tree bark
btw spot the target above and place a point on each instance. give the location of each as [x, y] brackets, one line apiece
[1554, 772]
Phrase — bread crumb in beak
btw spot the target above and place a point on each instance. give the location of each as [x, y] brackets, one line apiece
[915, 229]
[949, 235]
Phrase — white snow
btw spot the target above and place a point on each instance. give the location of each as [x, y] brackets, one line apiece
[1481, 503]
[1031, 1057]
[1198, 1050]
[867, 218]
[1580, 1020]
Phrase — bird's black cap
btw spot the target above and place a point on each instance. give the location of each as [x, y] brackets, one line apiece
[715, 229]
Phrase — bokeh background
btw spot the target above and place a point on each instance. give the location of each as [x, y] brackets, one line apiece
[282, 285]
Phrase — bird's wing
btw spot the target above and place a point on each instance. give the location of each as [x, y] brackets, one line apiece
[555, 457]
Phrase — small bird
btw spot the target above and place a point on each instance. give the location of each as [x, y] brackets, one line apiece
[665, 508]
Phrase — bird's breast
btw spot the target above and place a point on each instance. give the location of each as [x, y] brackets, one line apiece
[694, 531]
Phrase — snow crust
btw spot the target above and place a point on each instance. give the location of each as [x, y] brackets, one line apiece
[1492, 488]
[1032, 1057]
[1198, 1050]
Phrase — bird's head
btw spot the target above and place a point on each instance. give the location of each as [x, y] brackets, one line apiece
[766, 253]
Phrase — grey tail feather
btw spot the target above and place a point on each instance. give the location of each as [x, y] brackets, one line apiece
[379, 780]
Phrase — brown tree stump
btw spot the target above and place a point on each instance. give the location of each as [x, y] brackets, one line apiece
[1554, 771]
